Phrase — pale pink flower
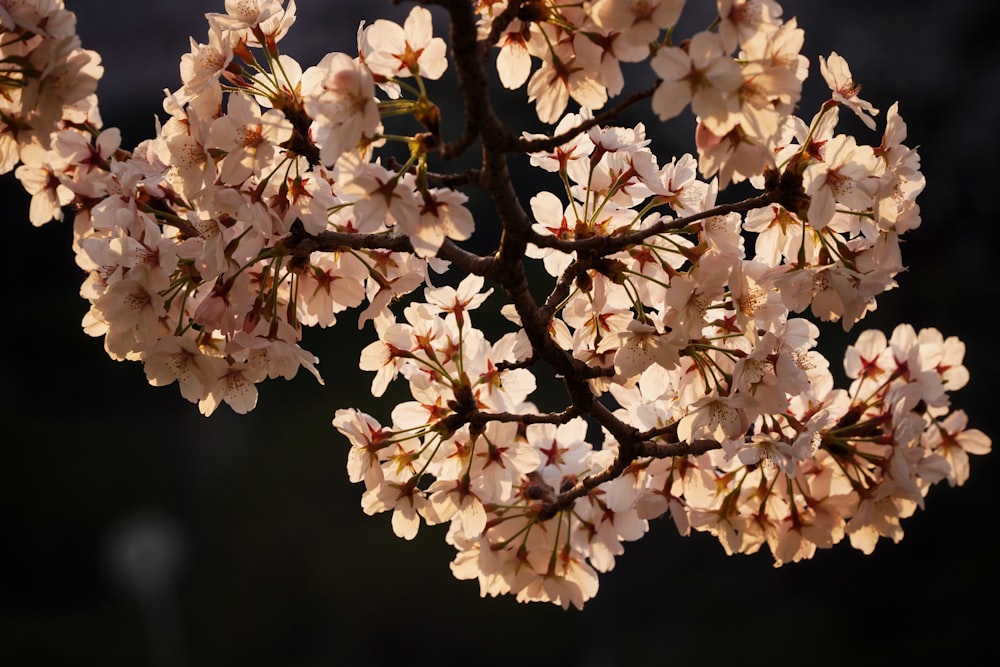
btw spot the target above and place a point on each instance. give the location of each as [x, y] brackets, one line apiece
[565, 452]
[838, 293]
[843, 177]
[453, 500]
[720, 418]
[878, 516]
[501, 458]
[243, 14]
[565, 74]
[236, 386]
[387, 355]
[131, 309]
[467, 296]
[640, 346]
[735, 156]
[568, 157]
[837, 74]
[251, 139]
[43, 17]
[639, 20]
[276, 342]
[608, 519]
[406, 502]
[202, 66]
[704, 75]
[179, 358]
[552, 219]
[816, 524]
[737, 533]
[11, 131]
[394, 51]
[339, 95]
[777, 50]
[513, 58]
[381, 198]
[774, 453]
[779, 235]
[952, 439]
[42, 181]
[869, 360]
[380, 291]
[691, 294]
[945, 356]
[332, 283]
[610, 50]
[901, 181]
[274, 27]
[743, 20]
[442, 215]
[368, 438]
[69, 75]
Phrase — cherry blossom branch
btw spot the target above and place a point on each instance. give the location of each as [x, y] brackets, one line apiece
[257, 191]
[509, 268]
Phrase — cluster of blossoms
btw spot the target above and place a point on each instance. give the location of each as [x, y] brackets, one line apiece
[47, 81]
[190, 239]
[270, 200]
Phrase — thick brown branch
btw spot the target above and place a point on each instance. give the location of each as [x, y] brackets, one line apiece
[508, 268]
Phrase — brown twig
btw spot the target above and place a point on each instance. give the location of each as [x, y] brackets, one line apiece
[548, 144]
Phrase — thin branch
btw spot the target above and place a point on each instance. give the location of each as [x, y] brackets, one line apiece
[456, 180]
[454, 148]
[548, 144]
[639, 450]
[301, 245]
[601, 246]
[511, 365]
[563, 286]
[481, 418]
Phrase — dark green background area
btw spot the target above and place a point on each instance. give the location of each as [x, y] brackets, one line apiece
[281, 567]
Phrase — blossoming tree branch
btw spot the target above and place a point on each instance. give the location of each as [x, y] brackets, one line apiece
[680, 321]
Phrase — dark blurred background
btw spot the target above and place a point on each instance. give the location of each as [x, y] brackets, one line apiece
[134, 531]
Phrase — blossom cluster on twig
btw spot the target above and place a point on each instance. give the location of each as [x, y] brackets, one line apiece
[269, 200]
